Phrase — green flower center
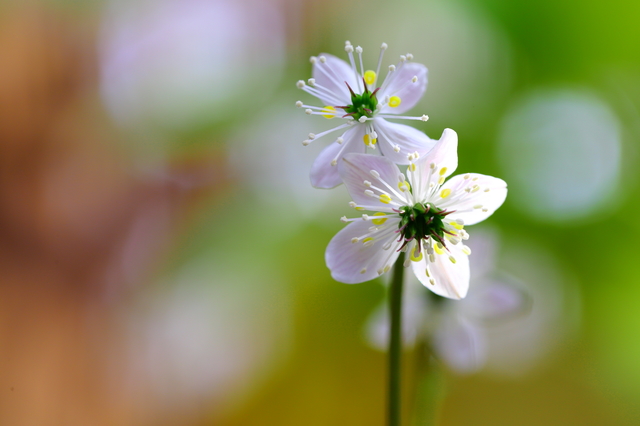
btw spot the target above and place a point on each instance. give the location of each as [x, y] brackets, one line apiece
[421, 221]
[362, 105]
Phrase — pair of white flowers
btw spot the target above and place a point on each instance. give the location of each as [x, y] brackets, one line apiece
[415, 212]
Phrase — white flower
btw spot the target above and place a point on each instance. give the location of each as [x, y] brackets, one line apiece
[423, 216]
[505, 325]
[354, 96]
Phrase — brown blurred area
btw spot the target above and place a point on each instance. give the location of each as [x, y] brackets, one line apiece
[79, 228]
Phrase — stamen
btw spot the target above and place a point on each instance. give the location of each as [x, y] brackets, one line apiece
[383, 47]
[359, 52]
[370, 78]
[413, 80]
[382, 218]
[331, 112]
[424, 117]
[394, 101]
[369, 141]
[385, 83]
[385, 198]
[349, 49]
[313, 136]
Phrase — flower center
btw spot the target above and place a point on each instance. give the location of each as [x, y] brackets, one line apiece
[362, 105]
[421, 221]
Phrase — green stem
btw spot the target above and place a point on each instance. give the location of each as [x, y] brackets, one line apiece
[395, 341]
[428, 391]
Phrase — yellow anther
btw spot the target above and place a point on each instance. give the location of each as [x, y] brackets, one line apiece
[385, 198]
[359, 208]
[368, 141]
[428, 272]
[438, 248]
[456, 225]
[366, 240]
[330, 112]
[413, 256]
[443, 171]
[466, 250]
[412, 167]
[394, 101]
[379, 221]
[445, 193]
[441, 180]
[452, 259]
[370, 77]
[404, 186]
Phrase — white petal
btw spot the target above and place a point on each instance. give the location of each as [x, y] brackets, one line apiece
[461, 345]
[323, 174]
[477, 204]
[406, 137]
[445, 157]
[409, 94]
[484, 249]
[496, 301]
[451, 279]
[347, 260]
[355, 169]
[340, 73]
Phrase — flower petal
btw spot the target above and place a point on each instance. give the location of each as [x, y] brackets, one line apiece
[355, 169]
[461, 345]
[406, 137]
[497, 300]
[401, 86]
[450, 279]
[323, 174]
[347, 260]
[445, 157]
[332, 75]
[485, 195]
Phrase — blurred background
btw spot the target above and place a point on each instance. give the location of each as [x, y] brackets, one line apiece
[162, 252]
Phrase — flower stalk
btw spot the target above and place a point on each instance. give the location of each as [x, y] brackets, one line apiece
[395, 341]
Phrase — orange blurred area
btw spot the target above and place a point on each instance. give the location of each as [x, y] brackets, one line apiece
[81, 229]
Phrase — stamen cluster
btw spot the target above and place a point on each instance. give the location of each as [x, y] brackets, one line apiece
[362, 105]
[421, 222]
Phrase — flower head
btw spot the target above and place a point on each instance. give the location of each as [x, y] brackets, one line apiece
[510, 319]
[354, 96]
[419, 214]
